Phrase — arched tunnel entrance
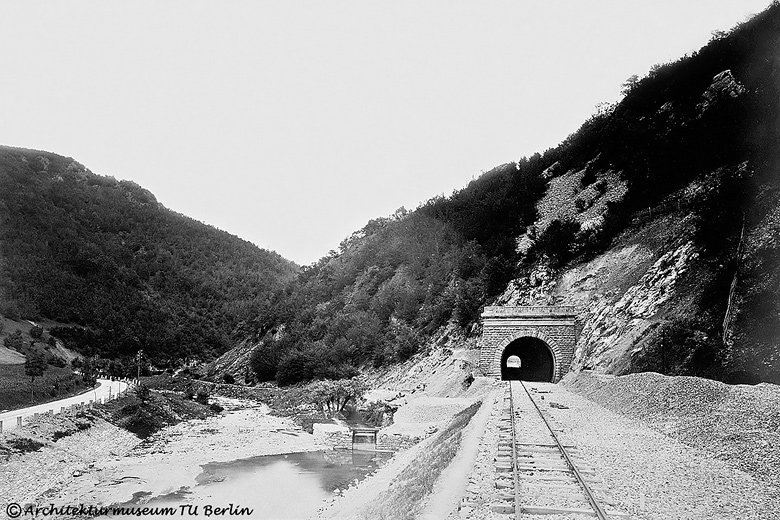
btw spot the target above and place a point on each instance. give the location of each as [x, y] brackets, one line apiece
[528, 359]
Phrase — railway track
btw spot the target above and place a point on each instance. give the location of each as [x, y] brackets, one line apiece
[538, 473]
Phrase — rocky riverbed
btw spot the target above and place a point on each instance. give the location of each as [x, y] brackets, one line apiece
[25, 476]
[104, 464]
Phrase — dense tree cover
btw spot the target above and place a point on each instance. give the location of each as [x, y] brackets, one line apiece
[128, 273]
[396, 281]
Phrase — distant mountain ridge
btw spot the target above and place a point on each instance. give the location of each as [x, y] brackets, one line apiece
[128, 273]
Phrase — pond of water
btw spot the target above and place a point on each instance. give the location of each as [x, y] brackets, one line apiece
[292, 485]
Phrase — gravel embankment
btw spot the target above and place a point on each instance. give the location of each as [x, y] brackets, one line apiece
[481, 490]
[25, 476]
[738, 424]
[647, 474]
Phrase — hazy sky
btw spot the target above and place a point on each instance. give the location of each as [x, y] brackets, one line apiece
[292, 123]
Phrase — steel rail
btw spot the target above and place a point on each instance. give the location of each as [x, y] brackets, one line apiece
[515, 471]
[600, 513]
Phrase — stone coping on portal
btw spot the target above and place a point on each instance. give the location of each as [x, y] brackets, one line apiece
[528, 311]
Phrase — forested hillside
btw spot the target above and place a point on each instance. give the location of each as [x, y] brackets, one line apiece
[707, 123]
[125, 273]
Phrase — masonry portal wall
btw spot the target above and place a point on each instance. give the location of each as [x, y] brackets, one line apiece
[536, 361]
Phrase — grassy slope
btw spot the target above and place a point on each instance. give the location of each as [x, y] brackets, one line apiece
[15, 386]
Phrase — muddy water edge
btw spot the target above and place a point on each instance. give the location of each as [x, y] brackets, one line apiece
[244, 456]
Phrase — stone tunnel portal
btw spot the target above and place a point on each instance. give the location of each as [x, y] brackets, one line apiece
[535, 362]
[528, 342]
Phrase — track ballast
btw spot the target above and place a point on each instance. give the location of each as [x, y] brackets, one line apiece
[538, 473]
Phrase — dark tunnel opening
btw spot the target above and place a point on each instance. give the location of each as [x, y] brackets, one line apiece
[535, 362]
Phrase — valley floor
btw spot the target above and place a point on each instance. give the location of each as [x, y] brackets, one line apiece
[108, 465]
[661, 454]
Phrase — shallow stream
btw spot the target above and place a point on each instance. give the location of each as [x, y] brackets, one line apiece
[293, 485]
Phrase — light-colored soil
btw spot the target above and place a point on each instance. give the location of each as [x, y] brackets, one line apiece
[113, 464]
[429, 392]
[648, 474]
[26, 477]
[454, 480]
[422, 414]
[10, 357]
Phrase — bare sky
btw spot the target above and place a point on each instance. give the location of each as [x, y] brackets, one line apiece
[292, 123]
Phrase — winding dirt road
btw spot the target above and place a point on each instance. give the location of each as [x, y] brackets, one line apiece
[105, 391]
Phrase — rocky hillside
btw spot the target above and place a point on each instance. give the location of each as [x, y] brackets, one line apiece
[678, 291]
[658, 218]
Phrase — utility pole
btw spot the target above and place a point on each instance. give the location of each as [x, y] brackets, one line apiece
[140, 353]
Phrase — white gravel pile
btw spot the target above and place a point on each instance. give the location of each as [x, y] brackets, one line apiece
[653, 476]
[739, 424]
[647, 474]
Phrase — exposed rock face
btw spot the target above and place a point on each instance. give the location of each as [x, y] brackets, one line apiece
[234, 362]
[723, 86]
[611, 326]
[551, 170]
[567, 199]
[534, 289]
[621, 294]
